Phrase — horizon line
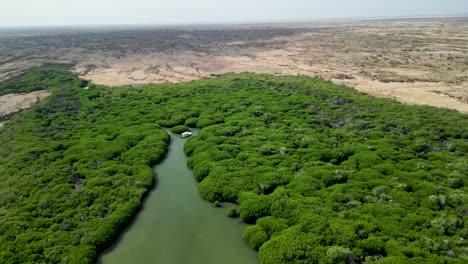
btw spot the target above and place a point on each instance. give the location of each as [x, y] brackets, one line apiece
[240, 23]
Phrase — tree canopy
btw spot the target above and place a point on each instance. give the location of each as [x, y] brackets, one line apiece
[323, 173]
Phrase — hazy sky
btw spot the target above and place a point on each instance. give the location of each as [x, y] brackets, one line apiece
[93, 12]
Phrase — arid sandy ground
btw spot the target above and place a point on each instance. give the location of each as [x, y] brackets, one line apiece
[416, 61]
[13, 103]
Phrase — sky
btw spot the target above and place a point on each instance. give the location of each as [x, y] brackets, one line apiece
[15, 13]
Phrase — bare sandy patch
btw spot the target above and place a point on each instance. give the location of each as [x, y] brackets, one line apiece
[413, 93]
[13, 103]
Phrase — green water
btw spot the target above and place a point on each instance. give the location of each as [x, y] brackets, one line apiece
[176, 226]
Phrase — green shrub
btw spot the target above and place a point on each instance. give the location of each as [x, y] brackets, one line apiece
[179, 129]
[204, 122]
[231, 212]
[255, 236]
[191, 122]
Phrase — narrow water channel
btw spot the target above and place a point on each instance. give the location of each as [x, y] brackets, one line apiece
[175, 226]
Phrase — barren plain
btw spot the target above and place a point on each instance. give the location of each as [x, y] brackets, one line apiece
[417, 61]
[13, 103]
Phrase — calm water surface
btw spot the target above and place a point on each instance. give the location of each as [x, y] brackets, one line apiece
[175, 226]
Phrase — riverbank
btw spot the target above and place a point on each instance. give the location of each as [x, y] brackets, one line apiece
[175, 225]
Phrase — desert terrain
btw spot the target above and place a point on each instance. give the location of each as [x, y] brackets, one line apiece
[417, 61]
[10, 104]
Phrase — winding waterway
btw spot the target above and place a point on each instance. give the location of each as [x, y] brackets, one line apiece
[175, 226]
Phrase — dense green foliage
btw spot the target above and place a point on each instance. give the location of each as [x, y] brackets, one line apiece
[42, 78]
[325, 174]
[72, 174]
[179, 129]
[328, 175]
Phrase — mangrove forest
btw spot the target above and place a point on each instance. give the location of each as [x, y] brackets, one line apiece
[321, 172]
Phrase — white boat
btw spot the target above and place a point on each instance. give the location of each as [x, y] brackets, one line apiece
[186, 134]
